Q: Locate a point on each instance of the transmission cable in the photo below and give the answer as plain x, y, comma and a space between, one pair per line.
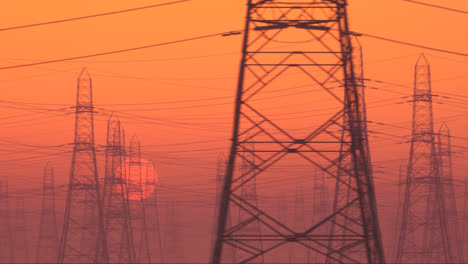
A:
437, 6
92, 16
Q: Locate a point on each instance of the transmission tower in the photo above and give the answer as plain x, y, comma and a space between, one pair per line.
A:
152, 209
7, 249
117, 223
21, 233
455, 242
137, 191
465, 220
298, 253
423, 232
324, 59
47, 243
83, 187
320, 207
174, 244
399, 210
220, 173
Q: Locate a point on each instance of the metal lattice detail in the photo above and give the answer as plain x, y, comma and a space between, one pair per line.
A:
47, 243
423, 232
82, 238
117, 222
326, 62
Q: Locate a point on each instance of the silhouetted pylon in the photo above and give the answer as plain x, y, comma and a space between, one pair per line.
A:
117, 222
7, 249
321, 58
174, 246
137, 191
423, 232
47, 242
220, 173
320, 207
465, 221
21, 233
83, 188
298, 253
153, 216
455, 241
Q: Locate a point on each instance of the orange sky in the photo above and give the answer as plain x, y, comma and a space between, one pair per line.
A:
185, 138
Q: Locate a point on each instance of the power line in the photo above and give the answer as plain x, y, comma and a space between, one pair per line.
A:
226, 33
436, 6
92, 16
411, 44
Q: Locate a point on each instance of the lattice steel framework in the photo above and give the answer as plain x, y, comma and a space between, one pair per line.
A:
320, 207
423, 232
117, 224
220, 172
21, 242
465, 220
7, 250
444, 152
83, 187
298, 253
174, 246
153, 216
47, 242
137, 190
326, 61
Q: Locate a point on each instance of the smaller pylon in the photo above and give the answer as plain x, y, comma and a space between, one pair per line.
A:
21, 233
174, 245
7, 250
154, 230
465, 220
47, 243
299, 253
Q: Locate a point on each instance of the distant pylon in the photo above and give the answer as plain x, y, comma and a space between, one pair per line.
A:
47, 243
83, 187
21, 233
321, 58
320, 207
465, 220
119, 240
7, 249
153, 216
137, 191
174, 246
400, 186
298, 253
220, 173
423, 232
455, 240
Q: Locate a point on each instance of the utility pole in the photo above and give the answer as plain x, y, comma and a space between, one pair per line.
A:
321, 58
21, 233
117, 222
423, 233
47, 243
455, 242
83, 187
7, 248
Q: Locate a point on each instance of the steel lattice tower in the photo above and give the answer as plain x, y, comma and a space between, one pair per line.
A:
455, 242
47, 243
21, 233
117, 223
326, 62
6, 237
297, 253
174, 246
152, 209
137, 190
465, 220
220, 173
83, 187
423, 232
320, 207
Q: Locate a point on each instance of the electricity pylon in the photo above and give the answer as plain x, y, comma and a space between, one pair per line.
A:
455, 242
399, 210
465, 220
47, 243
343, 194
174, 246
153, 221
323, 58
220, 173
298, 253
83, 187
21, 233
320, 207
423, 232
137, 191
7, 249
117, 223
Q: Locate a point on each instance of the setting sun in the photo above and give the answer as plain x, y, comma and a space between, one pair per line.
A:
140, 176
